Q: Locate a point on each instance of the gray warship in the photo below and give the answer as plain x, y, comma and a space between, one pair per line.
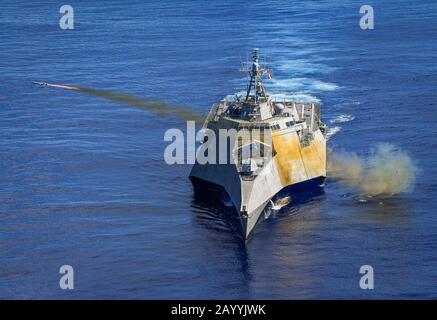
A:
288, 152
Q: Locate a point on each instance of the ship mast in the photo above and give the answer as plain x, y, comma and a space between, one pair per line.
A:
255, 83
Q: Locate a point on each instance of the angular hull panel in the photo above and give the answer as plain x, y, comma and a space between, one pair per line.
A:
291, 165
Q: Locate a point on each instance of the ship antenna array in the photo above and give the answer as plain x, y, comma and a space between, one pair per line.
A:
255, 72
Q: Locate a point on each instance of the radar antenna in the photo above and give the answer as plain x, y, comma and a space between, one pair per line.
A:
255, 72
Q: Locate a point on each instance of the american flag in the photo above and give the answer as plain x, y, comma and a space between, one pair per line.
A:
264, 71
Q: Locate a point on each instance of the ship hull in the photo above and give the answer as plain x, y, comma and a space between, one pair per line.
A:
299, 193
292, 165
264, 152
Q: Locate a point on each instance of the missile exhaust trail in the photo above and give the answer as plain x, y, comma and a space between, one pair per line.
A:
159, 108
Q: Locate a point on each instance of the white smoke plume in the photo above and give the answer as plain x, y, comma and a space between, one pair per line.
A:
386, 171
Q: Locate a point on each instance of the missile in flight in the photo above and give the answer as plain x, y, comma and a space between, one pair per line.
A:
159, 108
45, 84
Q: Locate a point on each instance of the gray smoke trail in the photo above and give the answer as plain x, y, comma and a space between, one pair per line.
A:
386, 171
159, 108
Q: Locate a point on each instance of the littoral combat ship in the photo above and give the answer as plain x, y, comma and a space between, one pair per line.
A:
279, 147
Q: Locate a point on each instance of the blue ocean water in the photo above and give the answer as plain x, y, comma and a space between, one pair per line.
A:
83, 181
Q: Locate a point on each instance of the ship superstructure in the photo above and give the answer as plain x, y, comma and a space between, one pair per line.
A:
280, 144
